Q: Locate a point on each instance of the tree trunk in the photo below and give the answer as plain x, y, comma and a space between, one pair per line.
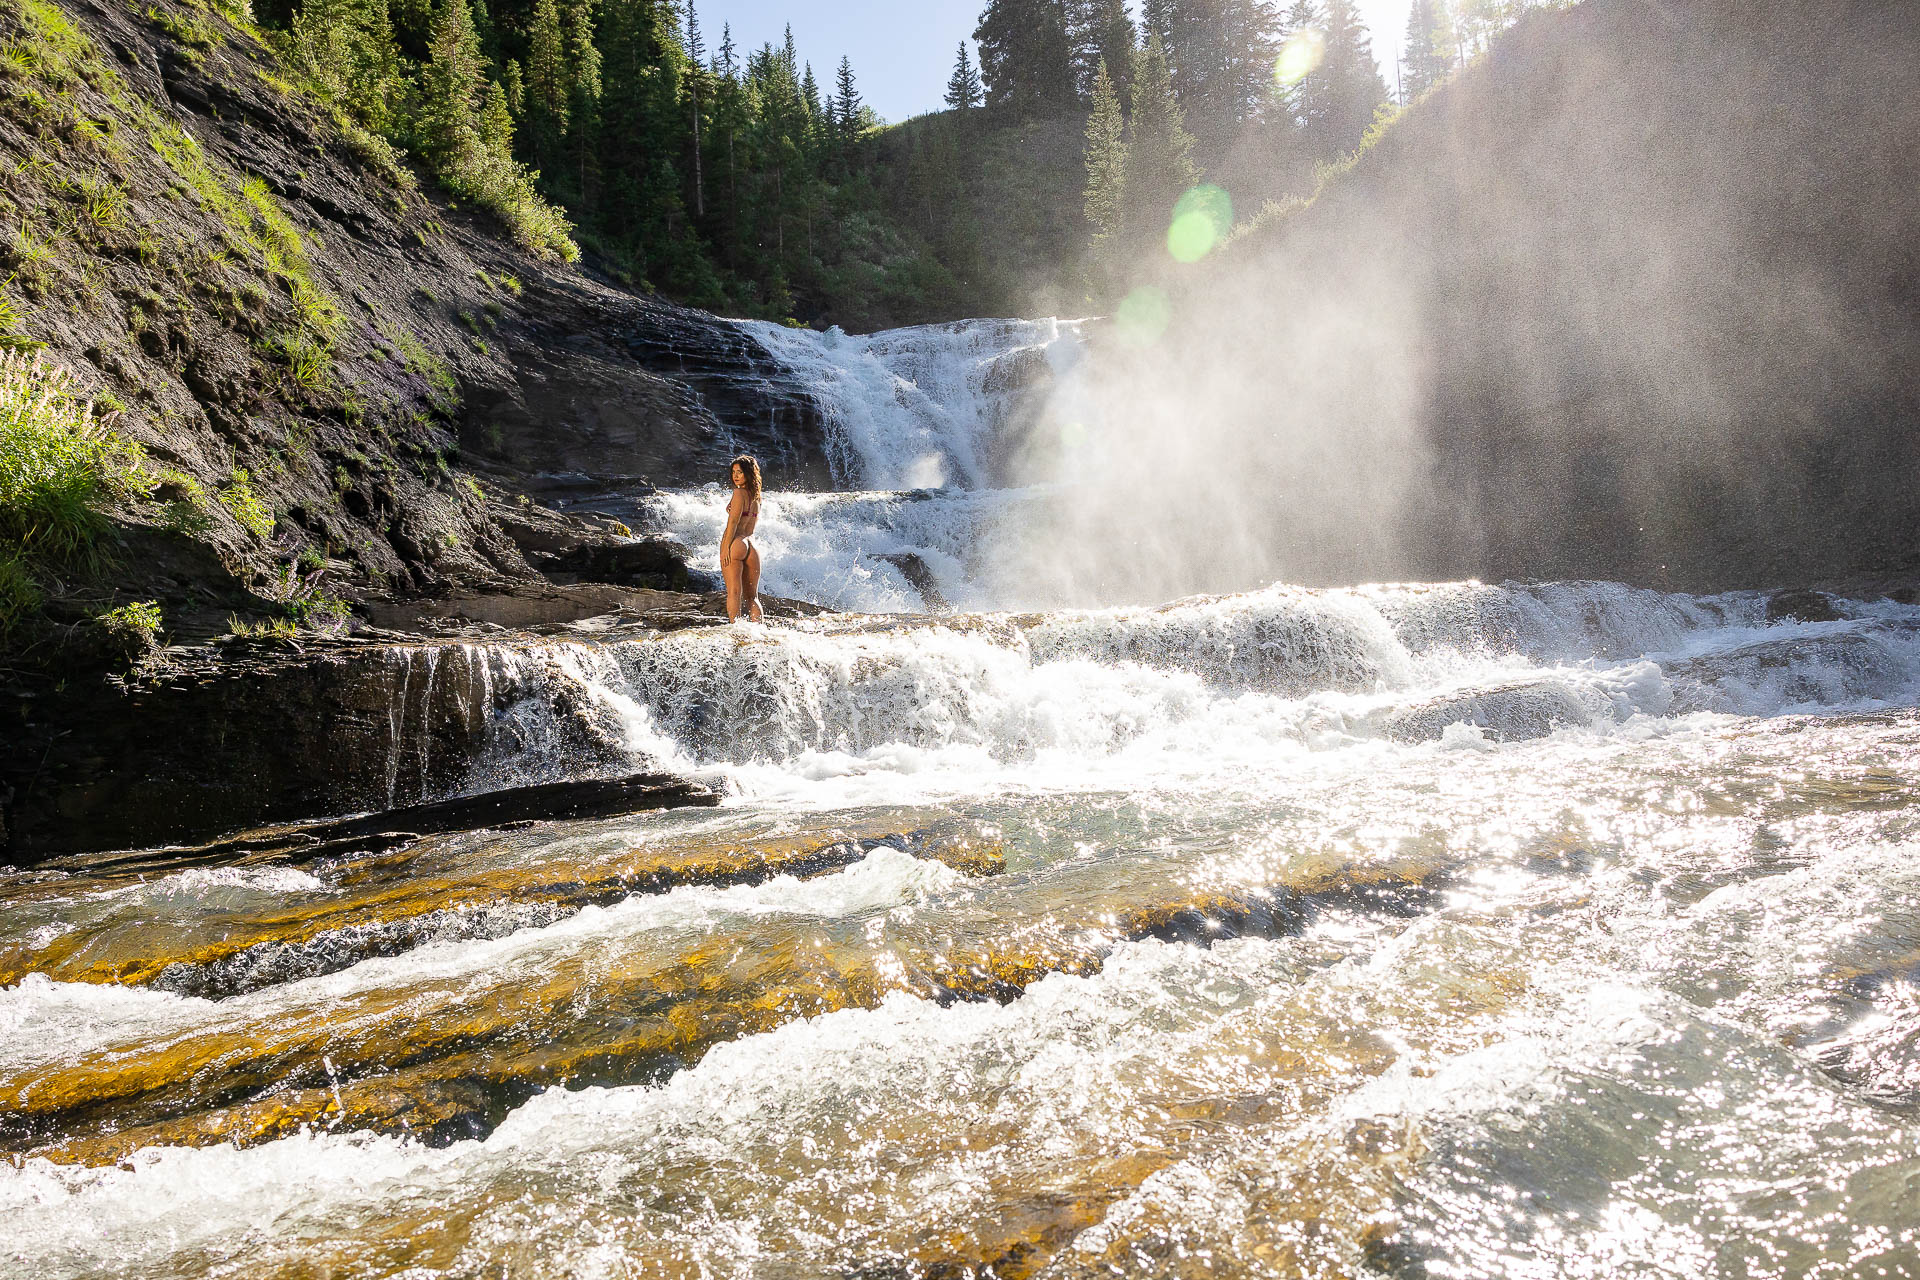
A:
699, 184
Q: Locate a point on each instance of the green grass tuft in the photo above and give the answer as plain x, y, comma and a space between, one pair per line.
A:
261, 627
186, 509
308, 360
104, 200
195, 33
137, 623
238, 498
59, 465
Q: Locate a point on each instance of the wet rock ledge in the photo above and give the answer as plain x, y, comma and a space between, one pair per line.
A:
467, 729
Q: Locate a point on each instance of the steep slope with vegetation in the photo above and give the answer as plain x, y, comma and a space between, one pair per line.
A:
163, 247
287, 341
1633, 296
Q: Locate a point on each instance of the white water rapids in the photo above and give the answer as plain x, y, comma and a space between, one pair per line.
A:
1455, 930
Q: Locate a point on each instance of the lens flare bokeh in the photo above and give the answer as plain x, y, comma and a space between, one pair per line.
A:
1300, 57
1201, 220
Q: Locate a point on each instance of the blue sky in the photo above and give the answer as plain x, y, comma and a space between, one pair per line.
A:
903, 50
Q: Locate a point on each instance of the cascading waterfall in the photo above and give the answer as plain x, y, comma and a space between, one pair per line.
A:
1191, 681
919, 408
1447, 929
916, 423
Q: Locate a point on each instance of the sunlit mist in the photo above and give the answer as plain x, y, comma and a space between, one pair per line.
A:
1300, 56
1628, 332
1142, 316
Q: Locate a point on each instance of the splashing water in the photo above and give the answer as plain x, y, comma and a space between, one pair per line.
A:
1561, 929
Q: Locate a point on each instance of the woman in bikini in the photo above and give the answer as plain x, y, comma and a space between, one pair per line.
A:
739, 558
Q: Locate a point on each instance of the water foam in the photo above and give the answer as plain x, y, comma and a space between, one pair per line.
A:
1195, 686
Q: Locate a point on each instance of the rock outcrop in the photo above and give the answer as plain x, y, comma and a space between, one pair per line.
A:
277, 305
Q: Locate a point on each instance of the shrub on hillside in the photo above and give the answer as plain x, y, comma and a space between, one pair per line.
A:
59, 464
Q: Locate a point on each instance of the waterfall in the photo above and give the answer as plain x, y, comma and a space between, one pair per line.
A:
920, 424
1078, 690
921, 407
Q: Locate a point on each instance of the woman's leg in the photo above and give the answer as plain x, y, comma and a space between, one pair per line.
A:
750, 582
730, 573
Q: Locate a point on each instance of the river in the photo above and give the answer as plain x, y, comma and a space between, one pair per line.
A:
1451, 930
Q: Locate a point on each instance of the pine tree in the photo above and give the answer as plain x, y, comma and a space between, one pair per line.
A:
730, 116
810, 96
513, 86
496, 121
1117, 42
1348, 88
547, 82
1157, 19
347, 50
483, 28
1423, 63
1220, 54
963, 88
1304, 99
1106, 174
846, 103
1024, 55
450, 88
583, 91
583, 54
1098, 29
696, 56
1159, 164
1251, 45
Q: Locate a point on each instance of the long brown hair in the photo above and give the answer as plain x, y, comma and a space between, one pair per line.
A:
751, 470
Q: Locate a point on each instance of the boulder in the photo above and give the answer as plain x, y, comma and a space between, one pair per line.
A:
1801, 606
919, 577
653, 562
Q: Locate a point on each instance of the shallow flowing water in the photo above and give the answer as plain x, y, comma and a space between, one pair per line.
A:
1455, 930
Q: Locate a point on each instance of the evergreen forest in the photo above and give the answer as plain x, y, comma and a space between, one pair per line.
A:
750, 182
